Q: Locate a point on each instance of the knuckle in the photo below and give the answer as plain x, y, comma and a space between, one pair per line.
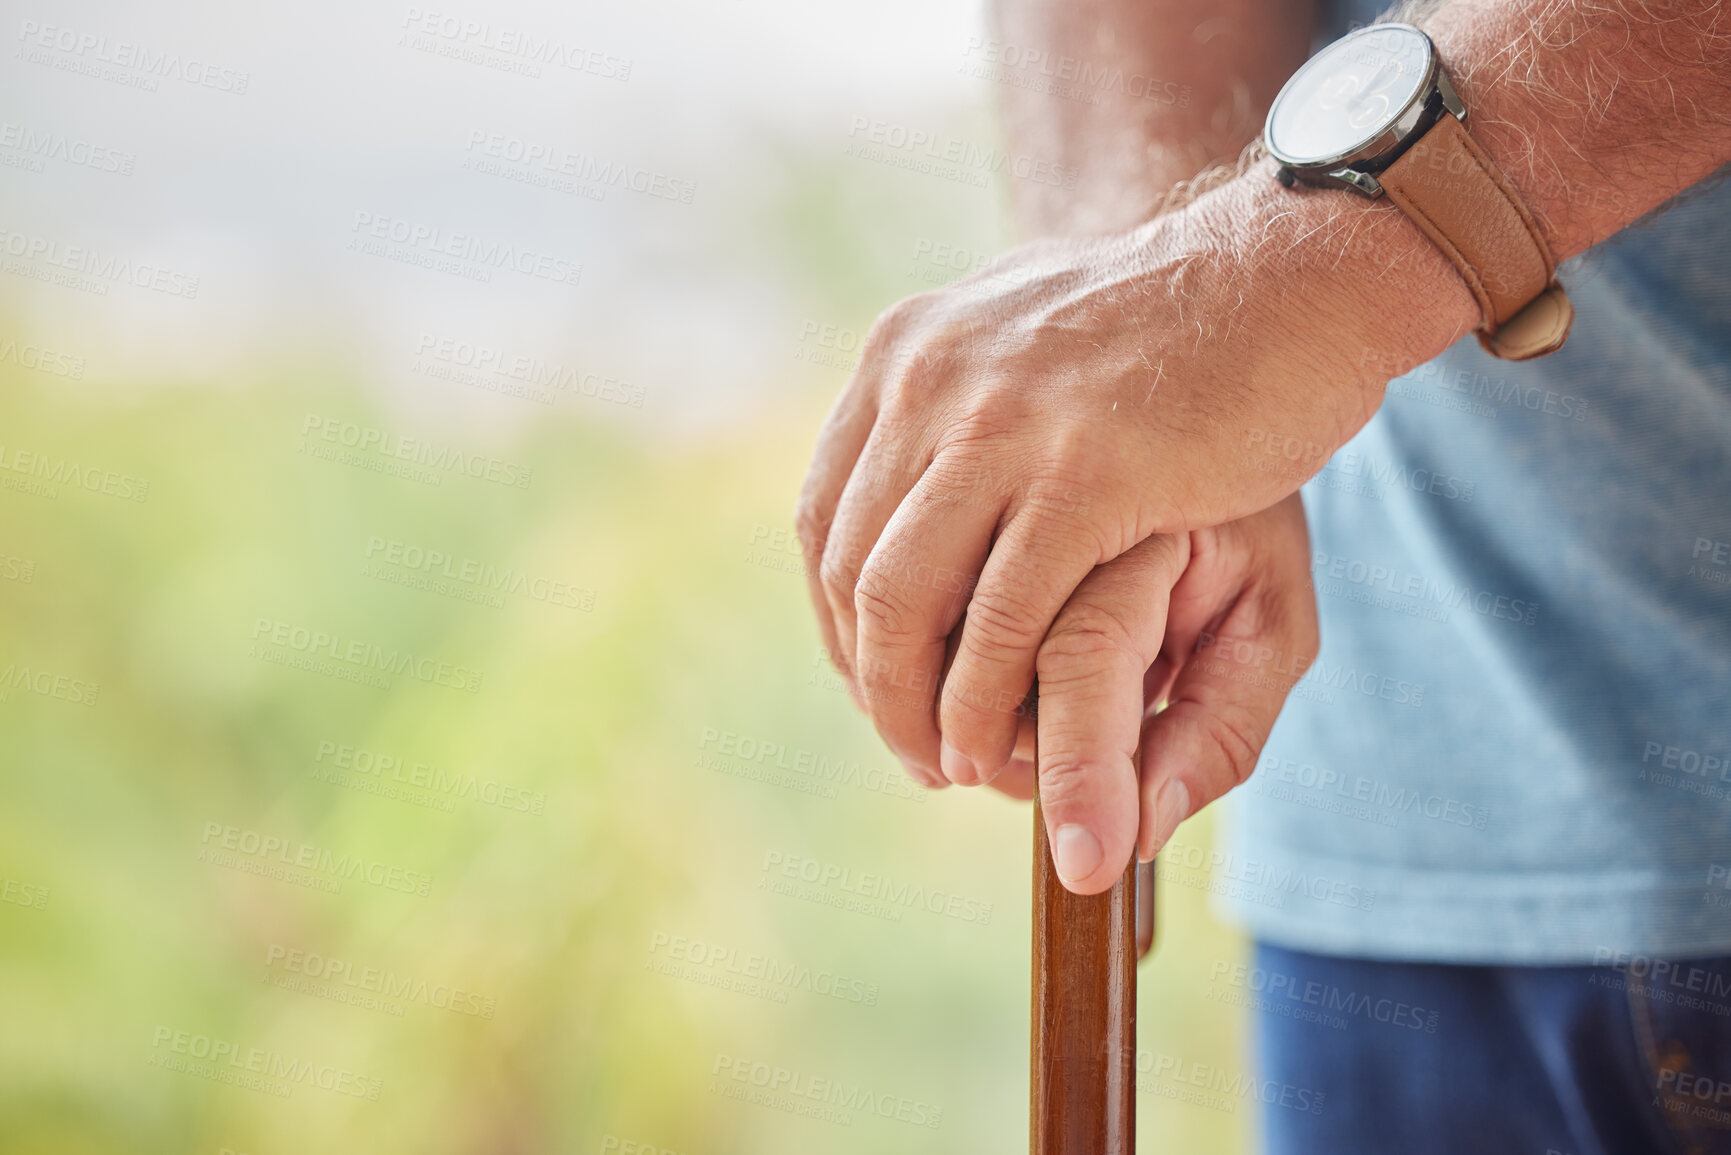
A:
965, 475
1083, 637
896, 390
883, 606
906, 416
915, 373
884, 330
987, 416
1287, 617
1072, 446
1076, 455
973, 712
893, 320
837, 576
1065, 497
1064, 782
1002, 627
810, 525
1236, 738
1073, 506
896, 345
1074, 466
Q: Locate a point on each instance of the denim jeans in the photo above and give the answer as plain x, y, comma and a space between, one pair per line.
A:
1633, 1055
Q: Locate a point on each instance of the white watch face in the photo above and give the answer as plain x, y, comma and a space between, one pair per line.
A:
1349, 94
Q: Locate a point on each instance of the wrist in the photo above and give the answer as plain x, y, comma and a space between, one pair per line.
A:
1358, 291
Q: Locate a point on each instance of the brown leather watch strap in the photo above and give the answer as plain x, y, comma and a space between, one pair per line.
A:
1454, 192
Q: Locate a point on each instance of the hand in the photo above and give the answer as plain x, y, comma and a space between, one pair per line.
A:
1218, 625
1006, 435
1204, 666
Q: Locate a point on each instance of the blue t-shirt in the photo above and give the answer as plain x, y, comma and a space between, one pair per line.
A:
1515, 746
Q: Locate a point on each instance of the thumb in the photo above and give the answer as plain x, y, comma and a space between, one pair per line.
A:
1236, 664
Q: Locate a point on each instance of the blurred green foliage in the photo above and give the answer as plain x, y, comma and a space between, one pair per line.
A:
129, 933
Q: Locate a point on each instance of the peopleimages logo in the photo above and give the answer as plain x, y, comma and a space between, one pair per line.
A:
1356, 788
879, 892
41, 359
222, 842
35, 897
796, 1092
352, 765
1423, 589
1379, 474
1706, 764
1071, 77
154, 64
46, 253
581, 168
16, 678
55, 471
1267, 877
384, 446
924, 151
1327, 1000
747, 971
336, 978
486, 254
1213, 1086
227, 1061
292, 638
772, 755
479, 576
539, 377
40, 145
1684, 982
446, 34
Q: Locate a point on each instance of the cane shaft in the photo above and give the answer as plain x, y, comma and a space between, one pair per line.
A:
1083, 1063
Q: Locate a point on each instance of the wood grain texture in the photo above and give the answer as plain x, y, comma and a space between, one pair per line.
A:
1083, 1060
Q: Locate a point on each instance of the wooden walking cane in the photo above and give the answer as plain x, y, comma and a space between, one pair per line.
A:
1082, 1065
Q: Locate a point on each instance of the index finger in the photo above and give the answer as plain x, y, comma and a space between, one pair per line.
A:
1035, 565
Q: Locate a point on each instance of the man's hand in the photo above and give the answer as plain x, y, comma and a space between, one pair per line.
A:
1220, 649
1040, 419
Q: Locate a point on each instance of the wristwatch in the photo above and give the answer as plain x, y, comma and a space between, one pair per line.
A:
1375, 112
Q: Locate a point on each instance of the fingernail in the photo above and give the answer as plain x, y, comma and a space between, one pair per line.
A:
1076, 852
1171, 806
921, 775
958, 768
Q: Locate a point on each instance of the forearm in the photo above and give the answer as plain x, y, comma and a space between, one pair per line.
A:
1597, 110
1141, 94
1596, 118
